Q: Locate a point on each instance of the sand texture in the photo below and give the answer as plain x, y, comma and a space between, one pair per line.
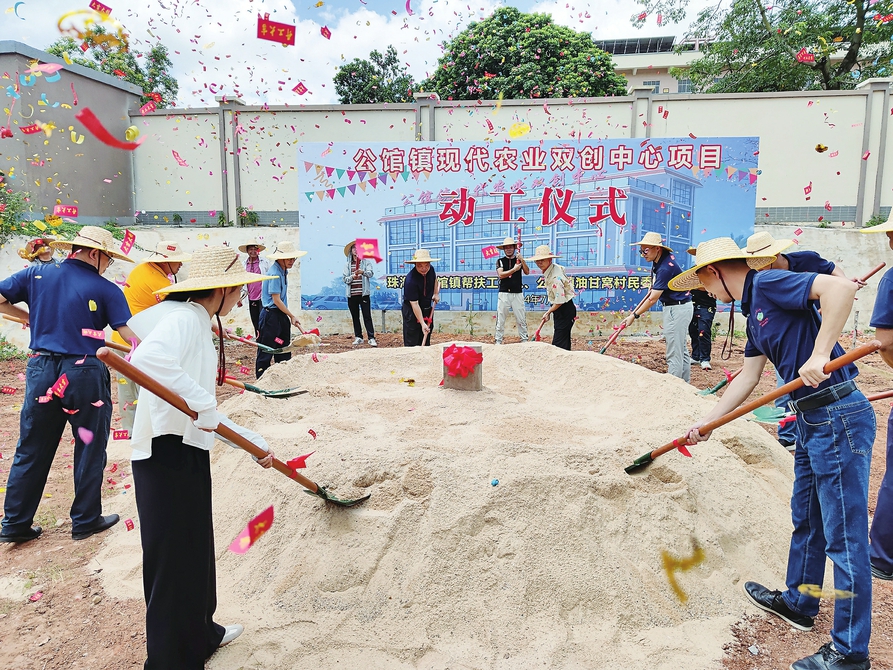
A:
558, 566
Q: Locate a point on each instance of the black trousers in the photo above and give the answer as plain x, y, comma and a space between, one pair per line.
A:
354, 303
275, 331
700, 330
564, 320
254, 307
412, 329
173, 498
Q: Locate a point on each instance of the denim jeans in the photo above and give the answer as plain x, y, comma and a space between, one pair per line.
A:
788, 432
829, 508
882, 524
40, 429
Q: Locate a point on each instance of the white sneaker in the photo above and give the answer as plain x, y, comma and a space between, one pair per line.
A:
372, 342
358, 341
705, 365
232, 632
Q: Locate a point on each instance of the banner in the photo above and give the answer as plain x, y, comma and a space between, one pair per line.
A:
587, 200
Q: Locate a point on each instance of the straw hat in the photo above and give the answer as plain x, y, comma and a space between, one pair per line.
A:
541, 253
885, 227
507, 242
652, 240
692, 251
251, 243
285, 250
766, 245
714, 251
167, 251
214, 267
348, 246
94, 238
421, 256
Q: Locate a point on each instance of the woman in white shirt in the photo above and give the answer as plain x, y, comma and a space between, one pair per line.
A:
560, 291
171, 460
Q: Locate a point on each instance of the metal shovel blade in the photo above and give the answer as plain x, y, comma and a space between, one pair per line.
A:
321, 492
281, 393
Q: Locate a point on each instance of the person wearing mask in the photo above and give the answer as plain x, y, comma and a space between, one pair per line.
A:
560, 292
509, 269
421, 292
357, 273
70, 304
171, 459
276, 319
259, 266
157, 270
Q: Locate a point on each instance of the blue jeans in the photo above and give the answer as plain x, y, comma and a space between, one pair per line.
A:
829, 508
788, 432
40, 429
882, 524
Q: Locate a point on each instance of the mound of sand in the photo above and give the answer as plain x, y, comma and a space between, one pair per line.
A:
557, 566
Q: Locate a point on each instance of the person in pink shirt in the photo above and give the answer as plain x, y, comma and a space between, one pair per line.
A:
254, 263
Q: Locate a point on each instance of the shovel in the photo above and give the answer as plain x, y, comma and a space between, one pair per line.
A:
616, 334
679, 443
773, 415
714, 389
148, 383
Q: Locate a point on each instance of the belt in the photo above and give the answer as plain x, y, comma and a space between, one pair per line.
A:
673, 303
824, 397
270, 309
58, 355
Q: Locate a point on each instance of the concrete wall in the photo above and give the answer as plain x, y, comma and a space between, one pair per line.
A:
96, 178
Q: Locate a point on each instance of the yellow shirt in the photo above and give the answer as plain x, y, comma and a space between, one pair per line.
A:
143, 281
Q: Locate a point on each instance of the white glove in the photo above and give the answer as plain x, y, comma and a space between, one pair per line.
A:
208, 419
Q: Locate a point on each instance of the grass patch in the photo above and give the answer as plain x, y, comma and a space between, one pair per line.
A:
9, 351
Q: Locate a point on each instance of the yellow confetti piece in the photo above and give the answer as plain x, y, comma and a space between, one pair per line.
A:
672, 564
67, 58
519, 129
77, 139
131, 133
122, 380
92, 305
816, 591
39, 225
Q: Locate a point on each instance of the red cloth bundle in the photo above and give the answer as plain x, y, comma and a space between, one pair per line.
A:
461, 361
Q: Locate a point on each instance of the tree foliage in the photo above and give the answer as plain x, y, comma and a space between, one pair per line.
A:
150, 71
382, 78
517, 55
790, 45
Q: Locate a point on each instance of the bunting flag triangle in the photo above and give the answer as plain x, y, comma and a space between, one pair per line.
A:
730, 171
753, 178
742, 175
321, 195
753, 171
362, 186
373, 182
427, 174
309, 196
331, 193
329, 171
350, 174
405, 175
415, 175
319, 169
383, 178
339, 172
695, 171
362, 175
352, 188
341, 190
307, 166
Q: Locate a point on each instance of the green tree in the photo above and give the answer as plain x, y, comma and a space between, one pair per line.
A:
150, 71
13, 205
785, 46
517, 55
382, 78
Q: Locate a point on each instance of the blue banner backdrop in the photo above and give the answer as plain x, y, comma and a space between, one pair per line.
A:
587, 200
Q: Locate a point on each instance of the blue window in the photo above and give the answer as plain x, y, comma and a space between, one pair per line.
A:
434, 230
682, 192
402, 232
579, 251
654, 217
396, 261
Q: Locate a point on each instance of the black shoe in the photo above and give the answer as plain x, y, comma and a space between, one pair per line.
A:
771, 601
24, 536
828, 658
878, 573
105, 522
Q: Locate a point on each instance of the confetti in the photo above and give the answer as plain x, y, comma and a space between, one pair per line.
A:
816, 591
300, 89
300, 462
94, 125
179, 160
254, 530
59, 387
34, 597
120, 435
325, 32
274, 31
127, 242
128, 523
312, 433
85, 435
672, 564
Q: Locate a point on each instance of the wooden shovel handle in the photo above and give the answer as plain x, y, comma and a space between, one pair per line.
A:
151, 385
869, 275
837, 363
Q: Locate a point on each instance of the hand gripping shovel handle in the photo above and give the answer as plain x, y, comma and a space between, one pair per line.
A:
872, 273
151, 385
837, 363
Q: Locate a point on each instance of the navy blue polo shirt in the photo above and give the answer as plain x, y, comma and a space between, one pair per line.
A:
782, 325
419, 287
664, 269
63, 300
882, 316
809, 261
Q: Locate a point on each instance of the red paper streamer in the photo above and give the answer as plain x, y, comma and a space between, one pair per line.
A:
94, 125
299, 462
256, 527
65, 210
461, 361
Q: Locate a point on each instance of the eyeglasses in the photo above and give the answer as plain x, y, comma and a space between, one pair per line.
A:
643, 251
111, 260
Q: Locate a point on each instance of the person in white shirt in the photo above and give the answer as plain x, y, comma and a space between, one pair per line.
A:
560, 292
171, 460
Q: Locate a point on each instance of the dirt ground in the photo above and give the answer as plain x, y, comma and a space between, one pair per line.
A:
54, 613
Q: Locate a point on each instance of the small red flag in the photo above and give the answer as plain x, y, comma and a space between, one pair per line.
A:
368, 248
255, 528
300, 89
325, 32
300, 462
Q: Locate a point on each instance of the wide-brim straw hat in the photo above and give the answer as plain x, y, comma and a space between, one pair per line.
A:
167, 251
421, 256
764, 244
285, 250
94, 238
886, 227
651, 240
541, 253
251, 243
715, 251
507, 242
347, 247
214, 267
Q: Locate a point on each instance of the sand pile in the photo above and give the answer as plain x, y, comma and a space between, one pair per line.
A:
557, 566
